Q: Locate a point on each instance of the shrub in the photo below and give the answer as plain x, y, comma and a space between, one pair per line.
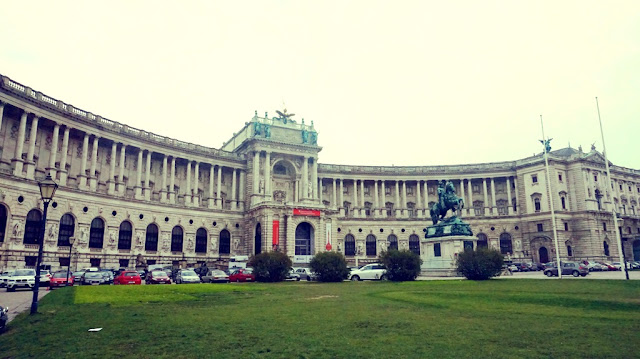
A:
329, 267
401, 265
480, 264
270, 266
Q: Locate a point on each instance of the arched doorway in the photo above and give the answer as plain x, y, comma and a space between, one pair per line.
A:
304, 239
636, 250
543, 254
258, 239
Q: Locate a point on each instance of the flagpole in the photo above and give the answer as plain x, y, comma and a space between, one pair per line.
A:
613, 209
553, 213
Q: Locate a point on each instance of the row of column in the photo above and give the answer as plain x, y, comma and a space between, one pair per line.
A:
422, 196
305, 189
88, 180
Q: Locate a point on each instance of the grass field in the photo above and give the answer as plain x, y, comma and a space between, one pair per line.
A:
426, 319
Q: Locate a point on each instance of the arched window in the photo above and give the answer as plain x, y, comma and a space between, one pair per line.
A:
605, 246
392, 242
257, 241
304, 237
225, 242
201, 240
33, 227
3, 222
414, 244
371, 245
483, 242
96, 233
124, 235
67, 227
151, 242
176, 239
349, 245
505, 244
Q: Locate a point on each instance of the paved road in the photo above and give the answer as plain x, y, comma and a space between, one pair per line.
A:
19, 301
633, 275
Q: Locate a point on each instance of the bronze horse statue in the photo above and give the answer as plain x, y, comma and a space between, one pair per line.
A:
447, 200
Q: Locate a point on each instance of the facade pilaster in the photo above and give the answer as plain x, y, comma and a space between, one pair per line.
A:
188, 194
242, 185
63, 157
17, 160
172, 182
509, 199
404, 199
362, 210
462, 195
163, 190
31, 165
122, 188
138, 184
305, 178
111, 183
1, 114
334, 199
93, 180
472, 211
418, 199
267, 176
256, 178
383, 197
515, 183
376, 199
319, 181
398, 209
147, 177
211, 201
234, 200
493, 196
83, 165
341, 193
485, 191
196, 185
54, 150
219, 187
354, 211
314, 175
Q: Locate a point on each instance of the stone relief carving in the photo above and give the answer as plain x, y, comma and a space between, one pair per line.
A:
190, 243
310, 189
14, 132
404, 245
48, 142
165, 241
236, 244
279, 196
360, 248
17, 228
52, 234
261, 185
139, 241
112, 238
79, 150
214, 244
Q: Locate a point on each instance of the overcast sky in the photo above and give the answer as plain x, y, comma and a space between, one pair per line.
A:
386, 83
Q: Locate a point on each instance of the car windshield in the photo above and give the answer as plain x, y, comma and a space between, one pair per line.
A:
93, 275
60, 275
218, 272
131, 274
21, 272
78, 274
158, 274
188, 273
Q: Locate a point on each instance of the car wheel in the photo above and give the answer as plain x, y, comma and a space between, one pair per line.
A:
355, 278
549, 274
298, 279
384, 277
576, 273
584, 275
308, 279
9, 289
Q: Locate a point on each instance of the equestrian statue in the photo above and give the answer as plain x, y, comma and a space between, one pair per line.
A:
447, 200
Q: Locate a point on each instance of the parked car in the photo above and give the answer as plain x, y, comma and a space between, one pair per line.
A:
549, 265
520, 267
633, 265
575, 269
373, 271
607, 266
187, 276
92, 278
512, 267
305, 274
592, 266
242, 275
4, 277
215, 276
59, 279
617, 265
4, 317
77, 277
21, 278
108, 276
128, 277
158, 277
292, 275
45, 276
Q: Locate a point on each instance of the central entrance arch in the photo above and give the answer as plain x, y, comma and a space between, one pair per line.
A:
304, 239
258, 239
543, 254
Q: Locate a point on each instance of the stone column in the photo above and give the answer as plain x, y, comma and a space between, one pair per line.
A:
267, 176
376, 199
31, 165
462, 195
93, 180
418, 199
196, 185
305, 178
341, 193
334, 198
111, 183
63, 157
138, 183
515, 183
188, 194
54, 150
509, 199
163, 190
122, 188
426, 197
362, 211
485, 191
147, 176
234, 200
241, 190
355, 198
319, 188
493, 196
219, 187
404, 199
172, 182
314, 175
83, 164
211, 201
383, 199
17, 158
256, 174
1, 113
398, 209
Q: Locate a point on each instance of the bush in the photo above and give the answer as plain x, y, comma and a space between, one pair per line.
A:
270, 266
481, 264
329, 267
401, 265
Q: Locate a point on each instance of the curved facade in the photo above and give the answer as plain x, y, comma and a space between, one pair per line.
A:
126, 193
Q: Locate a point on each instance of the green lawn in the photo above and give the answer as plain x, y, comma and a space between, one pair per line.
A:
427, 319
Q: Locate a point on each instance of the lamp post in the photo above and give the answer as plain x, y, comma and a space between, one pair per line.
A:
47, 190
71, 240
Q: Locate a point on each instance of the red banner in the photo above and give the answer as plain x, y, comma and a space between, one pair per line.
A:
306, 212
276, 233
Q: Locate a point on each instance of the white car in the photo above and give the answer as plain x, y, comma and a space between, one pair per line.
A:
187, 276
22, 278
4, 277
373, 271
305, 273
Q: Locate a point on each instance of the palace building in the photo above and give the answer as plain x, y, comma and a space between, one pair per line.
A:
126, 192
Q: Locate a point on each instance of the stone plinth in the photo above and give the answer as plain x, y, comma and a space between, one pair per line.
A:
443, 265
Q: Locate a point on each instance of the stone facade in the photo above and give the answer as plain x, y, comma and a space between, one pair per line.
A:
126, 192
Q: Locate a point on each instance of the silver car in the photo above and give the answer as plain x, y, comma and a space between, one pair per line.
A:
215, 276
187, 276
93, 278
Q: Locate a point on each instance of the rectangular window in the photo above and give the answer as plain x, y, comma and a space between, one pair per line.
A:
124, 263
324, 189
436, 250
468, 245
534, 178
410, 191
367, 190
566, 226
540, 227
30, 261
595, 178
387, 190
604, 226
345, 190
94, 262
621, 187
559, 177
431, 190
64, 261
475, 188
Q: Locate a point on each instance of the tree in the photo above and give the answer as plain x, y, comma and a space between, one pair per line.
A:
480, 264
329, 267
401, 265
270, 266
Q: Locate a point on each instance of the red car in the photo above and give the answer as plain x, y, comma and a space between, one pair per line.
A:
59, 279
128, 277
242, 275
158, 277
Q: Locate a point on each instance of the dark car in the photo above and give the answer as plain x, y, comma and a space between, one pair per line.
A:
575, 269
158, 277
93, 278
4, 318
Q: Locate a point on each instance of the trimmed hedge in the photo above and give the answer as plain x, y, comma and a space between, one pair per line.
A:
270, 266
329, 267
401, 265
480, 264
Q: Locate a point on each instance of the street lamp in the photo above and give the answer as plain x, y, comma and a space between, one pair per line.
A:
71, 240
48, 188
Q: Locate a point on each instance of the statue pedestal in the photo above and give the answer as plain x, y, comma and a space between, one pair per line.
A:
441, 246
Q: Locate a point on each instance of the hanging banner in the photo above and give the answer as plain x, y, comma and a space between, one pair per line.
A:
306, 212
276, 233
328, 235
